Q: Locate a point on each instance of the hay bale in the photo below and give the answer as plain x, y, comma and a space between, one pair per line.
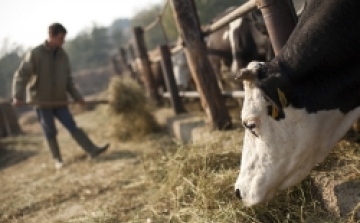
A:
125, 95
134, 126
131, 111
9, 124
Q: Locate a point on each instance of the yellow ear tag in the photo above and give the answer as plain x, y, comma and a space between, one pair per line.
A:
282, 98
274, 112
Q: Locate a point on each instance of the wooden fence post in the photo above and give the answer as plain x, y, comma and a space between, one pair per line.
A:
124, 60
123, 57
167, 68
141, 52
131, 52
115, 65
188, 25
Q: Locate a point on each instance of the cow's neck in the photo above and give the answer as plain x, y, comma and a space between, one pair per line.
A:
326, 40
322, 57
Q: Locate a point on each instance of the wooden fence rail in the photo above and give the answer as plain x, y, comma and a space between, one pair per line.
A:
195, 94
239, 12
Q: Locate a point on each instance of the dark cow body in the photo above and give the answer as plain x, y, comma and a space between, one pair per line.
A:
318, 68
251, 41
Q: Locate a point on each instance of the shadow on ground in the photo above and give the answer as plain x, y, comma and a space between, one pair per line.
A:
10, 157
116, 155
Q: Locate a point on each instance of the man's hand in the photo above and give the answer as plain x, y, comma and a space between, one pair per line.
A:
17, 103
81, 102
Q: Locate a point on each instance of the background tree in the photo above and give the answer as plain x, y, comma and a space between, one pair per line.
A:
143, 18
120, 31
10, 58
90, 48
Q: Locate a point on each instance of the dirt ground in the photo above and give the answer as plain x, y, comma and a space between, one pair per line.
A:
156, 179
33, 191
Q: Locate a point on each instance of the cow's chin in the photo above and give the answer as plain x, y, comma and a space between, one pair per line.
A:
282, 152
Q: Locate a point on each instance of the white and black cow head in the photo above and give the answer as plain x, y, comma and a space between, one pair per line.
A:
282, 145
300, 104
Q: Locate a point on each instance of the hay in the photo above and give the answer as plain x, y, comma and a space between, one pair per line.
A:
131, 111
133, 126
9, 124
196, 184
126, 96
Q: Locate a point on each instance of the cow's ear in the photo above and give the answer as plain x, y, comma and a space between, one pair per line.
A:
246, 74
250, 73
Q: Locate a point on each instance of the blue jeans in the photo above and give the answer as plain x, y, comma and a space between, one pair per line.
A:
46, 118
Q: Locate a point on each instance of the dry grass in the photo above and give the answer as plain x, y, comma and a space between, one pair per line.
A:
155, 179
131, 111
126, 96
195, 184
134, 126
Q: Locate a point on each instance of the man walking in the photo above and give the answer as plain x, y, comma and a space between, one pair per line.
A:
45, 75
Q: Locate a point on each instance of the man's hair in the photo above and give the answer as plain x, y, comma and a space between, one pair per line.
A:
56, 28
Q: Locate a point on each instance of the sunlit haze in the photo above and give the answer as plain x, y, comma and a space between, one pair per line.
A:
25, 21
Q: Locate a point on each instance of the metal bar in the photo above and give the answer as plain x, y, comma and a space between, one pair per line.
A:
239, 12
195, 94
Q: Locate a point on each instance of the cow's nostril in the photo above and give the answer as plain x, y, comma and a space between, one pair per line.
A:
252, 126
249, 126
238, 194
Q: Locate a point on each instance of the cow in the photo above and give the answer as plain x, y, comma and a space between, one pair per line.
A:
301, 103
182, 72
239, 43
244, 40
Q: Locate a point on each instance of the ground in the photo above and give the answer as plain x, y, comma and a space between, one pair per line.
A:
156, 179
33, 191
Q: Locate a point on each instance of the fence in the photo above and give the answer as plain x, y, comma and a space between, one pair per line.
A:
189, 29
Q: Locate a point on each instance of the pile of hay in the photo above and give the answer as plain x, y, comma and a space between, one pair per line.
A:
9, 124
130, 109
196, 184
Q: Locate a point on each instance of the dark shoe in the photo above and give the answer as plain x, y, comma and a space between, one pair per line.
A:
86, 144
100, 150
